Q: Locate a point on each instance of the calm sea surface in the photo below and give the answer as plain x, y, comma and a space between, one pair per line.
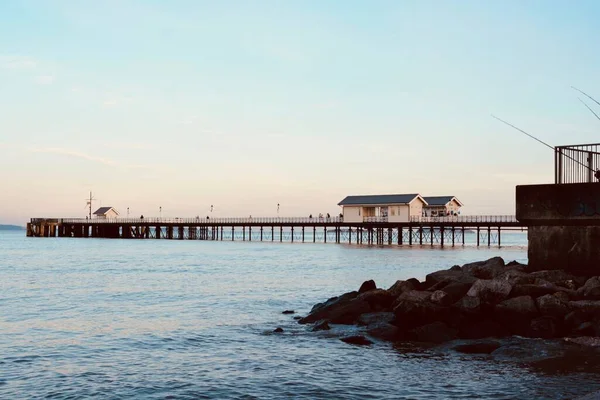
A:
193, 319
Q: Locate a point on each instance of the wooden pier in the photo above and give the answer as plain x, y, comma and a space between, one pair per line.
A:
443, 231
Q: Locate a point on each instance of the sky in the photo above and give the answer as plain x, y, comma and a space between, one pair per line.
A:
244, 105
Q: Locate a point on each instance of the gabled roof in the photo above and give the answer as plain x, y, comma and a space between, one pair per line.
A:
441, 200
104, 210
380, 199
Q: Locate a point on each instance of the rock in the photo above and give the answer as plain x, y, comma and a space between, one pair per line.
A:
321, 326
468, 305
562, 296
585, 329
345, 298
488, 269
551, 305
366, 286
516, 277
481, 329
574, 319
556, 276
297, 317
440, 297
590, 306
591, 289
278, 330
479, 347
533, 290
436, 332
545, 327
585, 341
515, 265
456, 290
288, 312
456, 268
377, 298
439, 279
376, 317
414, 309
357, 340
403, 286
490, 291
340, 312
522, 307
384, 331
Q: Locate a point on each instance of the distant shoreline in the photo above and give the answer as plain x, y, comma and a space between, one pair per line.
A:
11, 228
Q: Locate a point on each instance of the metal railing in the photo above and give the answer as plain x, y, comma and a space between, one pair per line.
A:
375, 219
205, 221
466, 218
577, 163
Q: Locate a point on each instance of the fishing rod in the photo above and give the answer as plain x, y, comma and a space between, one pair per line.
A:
596, 172
586, 95
588, 107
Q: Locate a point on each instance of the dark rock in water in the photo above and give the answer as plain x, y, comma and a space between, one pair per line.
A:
436, 332
480, 347
468, 305
533, 290
516, 277
366, 286
522, 307
339, 310
575, 318
591, 289
439, 279
384, 331
378, 298
414, 309
335, 300
488, 269
278, 330
297, 317
376, 317
551, 305
321, 326
403, 286
481, 329
585, 341
288, 312
490, 291
585, 329
357, 340
545, 327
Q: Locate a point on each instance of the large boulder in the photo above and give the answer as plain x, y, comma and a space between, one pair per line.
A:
522, 307
516, 277
414, 309
591, 289
440, 297
378, 299
545, 327
558, 277
346, 297
468, 305
357, 340
533, 290
488, 269
439, 279
403, 286
490, 291
341, 311
384, 331
456, 290
591, 307
367, 285
376, 317
551, 305
435, 332
482, 328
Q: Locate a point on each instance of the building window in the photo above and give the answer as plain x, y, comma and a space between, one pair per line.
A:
359, 212
393, 210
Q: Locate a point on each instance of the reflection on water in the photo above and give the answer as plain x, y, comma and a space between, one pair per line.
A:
148, 319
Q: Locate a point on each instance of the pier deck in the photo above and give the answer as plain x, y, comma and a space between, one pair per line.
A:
372, 231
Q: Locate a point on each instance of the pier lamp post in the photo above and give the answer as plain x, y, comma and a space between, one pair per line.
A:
127, 212
277, 209
211, 208
160, 212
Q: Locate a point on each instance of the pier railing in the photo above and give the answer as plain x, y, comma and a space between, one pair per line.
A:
465, 219
577, 163
205, 221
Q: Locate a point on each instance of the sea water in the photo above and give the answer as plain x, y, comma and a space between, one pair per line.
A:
157, 319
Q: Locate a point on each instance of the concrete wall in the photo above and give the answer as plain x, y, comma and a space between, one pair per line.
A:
564, 226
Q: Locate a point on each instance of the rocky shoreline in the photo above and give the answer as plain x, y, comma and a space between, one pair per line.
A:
481, 300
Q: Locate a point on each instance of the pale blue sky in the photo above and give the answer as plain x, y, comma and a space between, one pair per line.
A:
243, 105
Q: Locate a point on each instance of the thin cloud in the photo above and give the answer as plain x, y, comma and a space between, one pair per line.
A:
17, 62
88, 157
114, 101
44, 79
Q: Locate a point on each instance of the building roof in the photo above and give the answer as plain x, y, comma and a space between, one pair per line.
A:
380, 199
440, 200
104, 210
